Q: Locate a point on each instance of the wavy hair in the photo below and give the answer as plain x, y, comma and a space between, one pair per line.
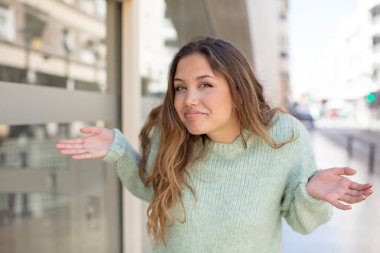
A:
176, 148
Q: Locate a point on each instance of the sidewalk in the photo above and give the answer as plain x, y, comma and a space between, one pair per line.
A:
353, 231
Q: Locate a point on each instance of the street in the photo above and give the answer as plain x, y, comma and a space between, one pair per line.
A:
352, 231
361, 142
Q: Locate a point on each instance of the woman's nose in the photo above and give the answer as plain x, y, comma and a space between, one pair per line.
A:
192, 98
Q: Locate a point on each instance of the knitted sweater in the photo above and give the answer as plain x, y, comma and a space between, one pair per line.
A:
242, 193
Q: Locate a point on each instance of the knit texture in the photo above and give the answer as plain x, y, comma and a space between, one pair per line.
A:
242, 193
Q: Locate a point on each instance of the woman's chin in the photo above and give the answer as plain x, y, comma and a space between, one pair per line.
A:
194, 131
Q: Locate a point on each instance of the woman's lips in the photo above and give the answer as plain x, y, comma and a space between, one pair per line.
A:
193, 114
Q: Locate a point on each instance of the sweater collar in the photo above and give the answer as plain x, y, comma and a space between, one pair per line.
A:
234, 146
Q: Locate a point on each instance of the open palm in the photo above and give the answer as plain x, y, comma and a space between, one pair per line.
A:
330, 185
88, 147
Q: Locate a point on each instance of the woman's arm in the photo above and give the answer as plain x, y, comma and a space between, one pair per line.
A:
127, 166
303, 212
111, 146
309, 193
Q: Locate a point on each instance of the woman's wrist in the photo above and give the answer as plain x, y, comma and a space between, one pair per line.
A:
309, 185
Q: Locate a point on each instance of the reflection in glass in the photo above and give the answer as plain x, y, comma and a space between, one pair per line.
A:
54, 43
53, 204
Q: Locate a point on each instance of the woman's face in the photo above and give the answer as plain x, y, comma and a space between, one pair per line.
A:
203, 100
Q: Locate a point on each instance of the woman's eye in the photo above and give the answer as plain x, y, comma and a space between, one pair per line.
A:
179, 88
206, 85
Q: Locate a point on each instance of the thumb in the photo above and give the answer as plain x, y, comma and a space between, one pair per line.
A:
344, 171
91, 130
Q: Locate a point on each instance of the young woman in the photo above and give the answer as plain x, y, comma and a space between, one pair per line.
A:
218, 165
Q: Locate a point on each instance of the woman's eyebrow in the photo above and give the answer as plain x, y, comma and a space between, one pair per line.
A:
197, 78
204, 76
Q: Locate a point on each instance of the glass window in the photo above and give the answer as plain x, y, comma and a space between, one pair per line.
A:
4, 22
49, 202
61, 41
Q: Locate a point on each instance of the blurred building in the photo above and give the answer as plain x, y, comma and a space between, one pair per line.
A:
65, 64
350, 70
268, 24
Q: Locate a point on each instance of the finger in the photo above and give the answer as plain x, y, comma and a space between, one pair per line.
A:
359, 193
70, 141
354, 192
341, 206
352, 199
73, 151
91, 130
84, 156
69, 146
368, 192
343, 171
359, 187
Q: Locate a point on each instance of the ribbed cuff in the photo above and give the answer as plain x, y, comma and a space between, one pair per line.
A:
118, 147
305, 195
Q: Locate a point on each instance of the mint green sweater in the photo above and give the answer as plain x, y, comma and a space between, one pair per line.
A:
242, 193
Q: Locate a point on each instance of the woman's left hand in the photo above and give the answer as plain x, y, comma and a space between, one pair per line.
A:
330, 185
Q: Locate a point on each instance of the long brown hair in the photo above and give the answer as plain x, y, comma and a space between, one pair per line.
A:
176, 147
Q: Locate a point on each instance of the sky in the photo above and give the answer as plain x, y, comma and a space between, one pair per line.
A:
312, 23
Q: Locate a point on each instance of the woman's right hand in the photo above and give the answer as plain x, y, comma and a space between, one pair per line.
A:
95, 145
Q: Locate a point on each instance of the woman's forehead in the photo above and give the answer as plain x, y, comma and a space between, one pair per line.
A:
196, 66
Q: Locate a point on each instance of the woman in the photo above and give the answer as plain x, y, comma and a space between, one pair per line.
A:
218, 165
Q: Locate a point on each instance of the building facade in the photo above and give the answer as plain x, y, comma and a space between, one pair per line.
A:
350, 68
65, 64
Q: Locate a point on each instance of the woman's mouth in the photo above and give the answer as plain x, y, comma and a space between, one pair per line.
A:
193, 114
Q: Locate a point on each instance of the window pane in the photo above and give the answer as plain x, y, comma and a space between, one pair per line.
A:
49, 203
54, 43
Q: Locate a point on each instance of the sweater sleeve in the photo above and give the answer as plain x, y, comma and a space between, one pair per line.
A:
303, 212
127, 166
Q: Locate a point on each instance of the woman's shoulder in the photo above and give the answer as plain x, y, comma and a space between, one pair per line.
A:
285, 126
283, 119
